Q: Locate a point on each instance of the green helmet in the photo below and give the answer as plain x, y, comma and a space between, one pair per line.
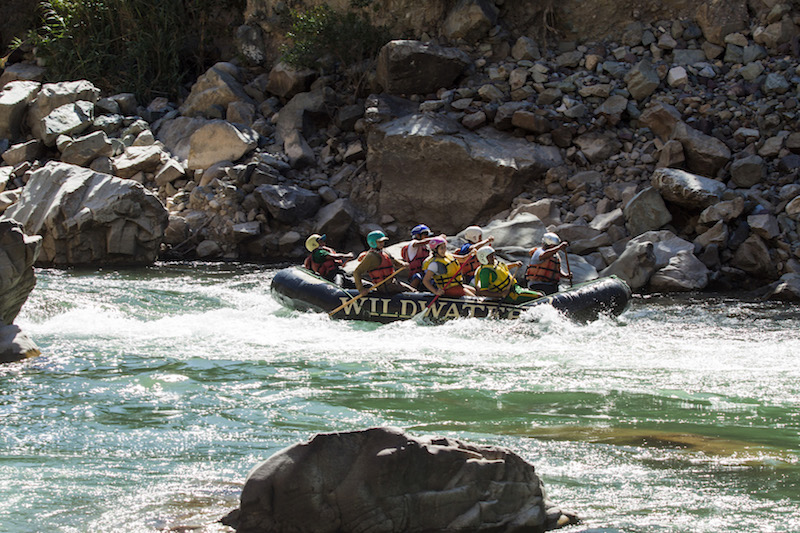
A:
374, 237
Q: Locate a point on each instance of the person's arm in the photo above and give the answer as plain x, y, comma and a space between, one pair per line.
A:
397, 263
427, 281
484, 242
348, 255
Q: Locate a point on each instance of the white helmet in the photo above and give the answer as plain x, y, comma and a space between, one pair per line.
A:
483, 254
551, 239
473, 234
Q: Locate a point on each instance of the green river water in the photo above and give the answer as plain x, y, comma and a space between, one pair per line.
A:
159, 389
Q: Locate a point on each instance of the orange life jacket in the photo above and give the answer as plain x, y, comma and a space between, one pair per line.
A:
548, 271
384, 270
414, 265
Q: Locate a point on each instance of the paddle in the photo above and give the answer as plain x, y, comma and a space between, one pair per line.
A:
359, 295
566, 259
424, 312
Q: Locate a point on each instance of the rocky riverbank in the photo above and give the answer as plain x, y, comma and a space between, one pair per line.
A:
668, 154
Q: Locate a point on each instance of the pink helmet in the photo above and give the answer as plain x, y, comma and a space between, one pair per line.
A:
435, 242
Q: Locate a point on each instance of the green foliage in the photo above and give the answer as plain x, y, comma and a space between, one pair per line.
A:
322, 32
140, 46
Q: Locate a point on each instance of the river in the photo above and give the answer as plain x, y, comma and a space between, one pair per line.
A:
159, 389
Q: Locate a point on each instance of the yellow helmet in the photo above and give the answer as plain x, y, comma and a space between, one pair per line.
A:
313, 242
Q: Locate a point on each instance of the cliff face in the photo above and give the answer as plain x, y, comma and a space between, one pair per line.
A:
579, 20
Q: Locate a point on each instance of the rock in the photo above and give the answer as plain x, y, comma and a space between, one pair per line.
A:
138, 159
661, 118
288, 203
689, 57
88, 218
717, 236
793, 209
355, 152
474, 121
598, 146
14, 99
546, 210
241, 113
347, 116
683, 273
15, 345
246, 230
176, 135
569, 59
208, 249
298, 151
671, 155
718, 18
177, 230
218, 86
645, 212
752, 256
415, 155
642, 80
775, 34
677, 77
751, 71
8, 198
666, 245
525, 49
725, 211
27, 151
407, 483
54, 95
334, 220
787, 289
529, 121
747, 171
413, 67
612, 108
218, 140
705, 155
604, 221
170, 171
635, 265
686, 189
250, 40
286, 81
764, 225
775, 83
21, 72
69, 119
18, 253
303, 111
84, 150
519, 233
470, 20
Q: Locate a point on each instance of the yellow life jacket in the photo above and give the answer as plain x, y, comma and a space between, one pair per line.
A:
502, 277
451, 273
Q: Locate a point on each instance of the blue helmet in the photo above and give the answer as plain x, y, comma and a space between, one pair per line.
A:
419, 229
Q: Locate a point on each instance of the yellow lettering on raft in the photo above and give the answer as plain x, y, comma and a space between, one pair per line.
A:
453, 311
354, 306
404, 308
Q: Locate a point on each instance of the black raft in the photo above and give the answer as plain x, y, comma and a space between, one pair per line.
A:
301, 289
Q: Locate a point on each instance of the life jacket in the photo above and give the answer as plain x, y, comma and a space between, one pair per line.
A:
503, 277
414, 265
471, 265
451, 273
326, 267
384, 270
548, 271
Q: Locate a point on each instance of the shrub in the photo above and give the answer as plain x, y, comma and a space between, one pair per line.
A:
141, 46
321, 33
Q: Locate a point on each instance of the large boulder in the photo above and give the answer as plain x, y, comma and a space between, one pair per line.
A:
18, 253
718, 18
414, 67
286, 81
89, 218
431, 164
686, 189
786, 289
753, 257
382, 479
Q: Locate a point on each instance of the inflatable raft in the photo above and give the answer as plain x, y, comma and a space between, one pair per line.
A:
303, 290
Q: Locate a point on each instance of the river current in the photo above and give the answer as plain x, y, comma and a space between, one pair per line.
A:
159, 389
